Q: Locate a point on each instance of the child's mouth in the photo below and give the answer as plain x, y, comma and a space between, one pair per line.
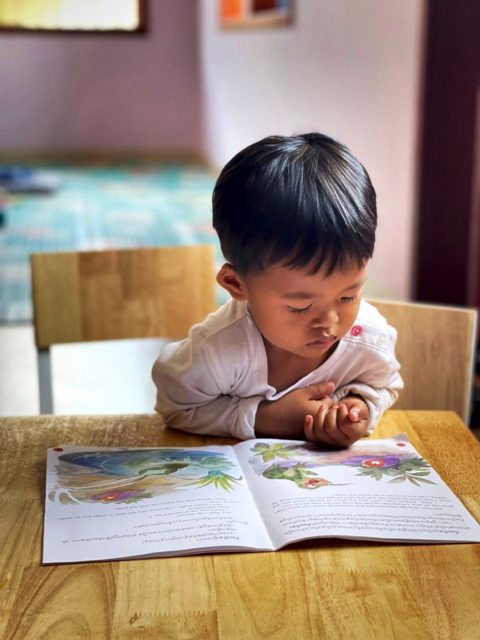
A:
324, 341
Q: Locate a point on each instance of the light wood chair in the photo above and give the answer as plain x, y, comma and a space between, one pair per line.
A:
436, 347
112, 295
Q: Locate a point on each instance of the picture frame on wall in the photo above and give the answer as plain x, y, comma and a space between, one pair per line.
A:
73, 16
247, 14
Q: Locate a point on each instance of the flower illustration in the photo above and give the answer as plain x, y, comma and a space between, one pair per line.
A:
398, 468
372, 461
120, 496
313, 483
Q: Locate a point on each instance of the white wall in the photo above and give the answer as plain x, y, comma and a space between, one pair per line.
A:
348, 68
108, 92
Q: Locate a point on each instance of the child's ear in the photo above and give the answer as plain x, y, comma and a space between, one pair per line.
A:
229, 279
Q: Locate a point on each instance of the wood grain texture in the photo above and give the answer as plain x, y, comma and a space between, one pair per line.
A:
128, 293
435, 347
316, 589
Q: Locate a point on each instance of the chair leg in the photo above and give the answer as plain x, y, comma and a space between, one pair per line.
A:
45, 381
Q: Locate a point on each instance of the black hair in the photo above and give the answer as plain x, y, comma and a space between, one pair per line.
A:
297, 201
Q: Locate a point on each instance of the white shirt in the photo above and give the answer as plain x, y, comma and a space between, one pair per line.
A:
213, 381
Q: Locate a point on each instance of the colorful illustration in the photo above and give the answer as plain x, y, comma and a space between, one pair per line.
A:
128, 476
297, 472
299, 463
413, 469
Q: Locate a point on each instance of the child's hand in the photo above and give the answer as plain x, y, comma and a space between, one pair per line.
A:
284, 418
341, 424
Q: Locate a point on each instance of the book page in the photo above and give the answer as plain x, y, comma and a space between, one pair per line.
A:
105, 503
375, 489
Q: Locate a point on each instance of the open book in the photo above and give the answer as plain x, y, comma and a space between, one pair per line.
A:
111, 503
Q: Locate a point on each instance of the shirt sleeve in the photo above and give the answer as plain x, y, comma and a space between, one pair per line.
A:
378, 383
192, 395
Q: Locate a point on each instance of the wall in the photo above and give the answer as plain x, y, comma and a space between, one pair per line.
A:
347, 68
85, 92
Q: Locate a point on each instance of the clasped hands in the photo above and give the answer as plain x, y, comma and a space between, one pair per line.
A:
311, 413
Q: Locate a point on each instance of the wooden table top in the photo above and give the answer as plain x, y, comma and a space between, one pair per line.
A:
316, 589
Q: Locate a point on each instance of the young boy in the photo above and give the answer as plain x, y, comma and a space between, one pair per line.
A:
296, 353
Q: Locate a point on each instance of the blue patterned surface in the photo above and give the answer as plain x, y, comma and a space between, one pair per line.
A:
102, 207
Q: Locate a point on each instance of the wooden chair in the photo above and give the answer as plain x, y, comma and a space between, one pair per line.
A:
111, 295
436, 347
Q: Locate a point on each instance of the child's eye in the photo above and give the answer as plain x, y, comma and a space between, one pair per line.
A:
295, 310
349, 298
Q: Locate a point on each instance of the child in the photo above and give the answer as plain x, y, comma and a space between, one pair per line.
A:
296, 353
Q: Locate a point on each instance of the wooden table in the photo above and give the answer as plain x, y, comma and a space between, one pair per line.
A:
321, 589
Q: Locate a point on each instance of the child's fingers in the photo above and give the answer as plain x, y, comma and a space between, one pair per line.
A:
331, 427
352, 431
351, 423
354, 414
343, 414
319, 420
330, 422
308, 427
313, 425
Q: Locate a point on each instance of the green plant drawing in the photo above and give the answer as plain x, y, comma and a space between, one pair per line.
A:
219, 479
303, 477
413, 469
293, 462
271, 451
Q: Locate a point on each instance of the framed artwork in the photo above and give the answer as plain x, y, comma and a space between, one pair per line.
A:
73, 16
239, 14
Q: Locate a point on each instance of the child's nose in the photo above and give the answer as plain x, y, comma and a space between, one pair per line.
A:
326, 319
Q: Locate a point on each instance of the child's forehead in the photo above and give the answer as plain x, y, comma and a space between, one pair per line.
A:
295, 282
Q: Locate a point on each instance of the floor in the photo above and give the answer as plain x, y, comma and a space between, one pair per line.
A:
100, 206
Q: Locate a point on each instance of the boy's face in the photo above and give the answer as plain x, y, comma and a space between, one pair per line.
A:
302, 314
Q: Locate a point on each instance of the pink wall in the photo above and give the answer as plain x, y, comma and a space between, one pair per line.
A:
104, 92
348, 68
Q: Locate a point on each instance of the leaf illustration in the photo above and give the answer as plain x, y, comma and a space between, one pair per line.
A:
218, 479
268, 456
424, 480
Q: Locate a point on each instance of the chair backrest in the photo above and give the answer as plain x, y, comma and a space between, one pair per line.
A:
436, 347
127, 293
116, 294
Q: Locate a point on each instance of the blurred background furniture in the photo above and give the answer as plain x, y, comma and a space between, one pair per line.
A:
116, 295
436, 348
